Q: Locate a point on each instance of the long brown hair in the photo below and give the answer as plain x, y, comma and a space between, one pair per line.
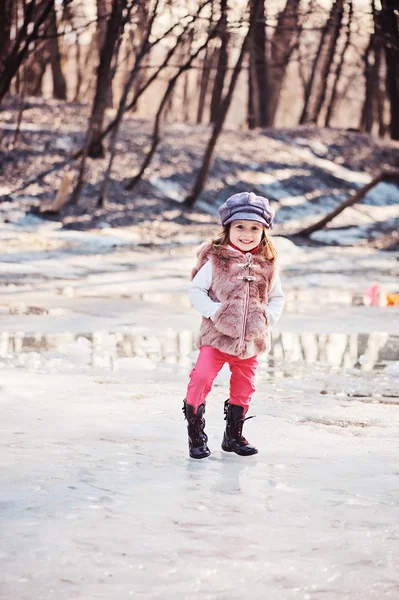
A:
266, 249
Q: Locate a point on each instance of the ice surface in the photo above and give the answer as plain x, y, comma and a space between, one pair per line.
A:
98, 496
100, 500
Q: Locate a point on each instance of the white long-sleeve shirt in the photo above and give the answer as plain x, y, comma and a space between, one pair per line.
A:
199, 296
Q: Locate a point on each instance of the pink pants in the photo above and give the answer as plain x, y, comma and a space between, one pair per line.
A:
208, 365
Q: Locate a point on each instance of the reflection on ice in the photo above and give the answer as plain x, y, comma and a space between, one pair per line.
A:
124, 351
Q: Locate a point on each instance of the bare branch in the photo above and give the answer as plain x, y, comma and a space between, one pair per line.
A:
383, 176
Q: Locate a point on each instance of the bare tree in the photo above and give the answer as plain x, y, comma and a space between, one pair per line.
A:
145, 47
283, 42
5, 28
222, 64
114, 30
204, 82
35, 68
372, 77
130, 107
336, 15
160, 112
218, 125
317, 83
100, 38
101, 29
258, 93
29, 31
390, 29
54, 54
338, 71
93, 140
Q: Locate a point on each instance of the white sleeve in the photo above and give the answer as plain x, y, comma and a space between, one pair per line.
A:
275, 302
199, 292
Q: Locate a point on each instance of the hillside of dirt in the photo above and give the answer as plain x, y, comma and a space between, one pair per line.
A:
305, 172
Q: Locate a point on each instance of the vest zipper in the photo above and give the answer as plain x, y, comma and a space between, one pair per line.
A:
244, 321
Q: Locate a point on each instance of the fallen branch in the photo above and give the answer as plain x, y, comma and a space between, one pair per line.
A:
383, 176
61, 197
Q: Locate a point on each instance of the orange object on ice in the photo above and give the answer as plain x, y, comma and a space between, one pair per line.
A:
392, 299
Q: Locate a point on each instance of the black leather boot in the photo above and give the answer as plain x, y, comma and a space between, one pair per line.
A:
197, 438
233, 440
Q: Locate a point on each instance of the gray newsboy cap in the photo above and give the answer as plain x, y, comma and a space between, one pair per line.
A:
246, 206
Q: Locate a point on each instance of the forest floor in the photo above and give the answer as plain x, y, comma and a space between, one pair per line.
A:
98, 497
305, 172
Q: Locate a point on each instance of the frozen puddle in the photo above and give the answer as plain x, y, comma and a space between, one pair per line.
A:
114, 350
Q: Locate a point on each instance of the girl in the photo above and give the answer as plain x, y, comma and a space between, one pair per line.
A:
236, 288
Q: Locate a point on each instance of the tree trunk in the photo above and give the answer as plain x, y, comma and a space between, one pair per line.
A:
222, 65
367, 116
101, 28
53, 48
251, 110
161, 109
5, 28
338, 72
326, 59
24, 38
257, 71
283, 43
218, 126
204, 82
104, 80
372, 67
101, 32
35, 67
78, 61
83, 151
315, 89
389, 24
144, 49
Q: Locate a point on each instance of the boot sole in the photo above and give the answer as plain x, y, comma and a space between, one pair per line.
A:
199, 457
239, 453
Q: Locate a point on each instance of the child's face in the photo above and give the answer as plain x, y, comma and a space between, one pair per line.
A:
246, 235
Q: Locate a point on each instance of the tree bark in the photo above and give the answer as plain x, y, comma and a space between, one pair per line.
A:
53, 48
25, 36
317, 83
101, 33
371, 110
35, 67
22, 90
383, 176
338, 72
5, 28
222, 65
258, 104
390, 29
326, 58
104, 80
203, 84
101, 28
283, 43
367, 116
78, 61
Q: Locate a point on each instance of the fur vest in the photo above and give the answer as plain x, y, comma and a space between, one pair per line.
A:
241, 282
